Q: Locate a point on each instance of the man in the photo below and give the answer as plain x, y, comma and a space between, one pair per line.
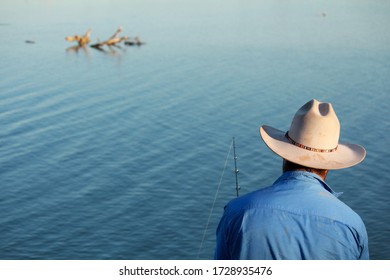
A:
299, 216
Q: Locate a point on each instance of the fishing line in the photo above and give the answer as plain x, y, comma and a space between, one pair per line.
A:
215, 199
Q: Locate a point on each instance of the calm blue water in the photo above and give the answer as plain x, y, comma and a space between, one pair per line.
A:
118, 155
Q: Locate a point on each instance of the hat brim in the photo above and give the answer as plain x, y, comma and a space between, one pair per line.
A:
345, 156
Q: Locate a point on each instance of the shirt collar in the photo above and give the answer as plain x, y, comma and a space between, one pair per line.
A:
306, 174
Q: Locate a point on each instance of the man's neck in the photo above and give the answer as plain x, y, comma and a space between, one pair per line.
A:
290, 166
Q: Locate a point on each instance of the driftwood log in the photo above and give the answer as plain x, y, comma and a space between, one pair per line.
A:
115, 39
81, 40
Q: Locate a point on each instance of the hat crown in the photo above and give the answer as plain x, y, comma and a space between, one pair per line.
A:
315, 125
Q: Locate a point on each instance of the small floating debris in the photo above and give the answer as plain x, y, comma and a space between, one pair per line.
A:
29, 42
134, 42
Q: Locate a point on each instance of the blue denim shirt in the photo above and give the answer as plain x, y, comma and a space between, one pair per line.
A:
298, 217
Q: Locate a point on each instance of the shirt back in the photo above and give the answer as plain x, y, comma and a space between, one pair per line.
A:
298, 217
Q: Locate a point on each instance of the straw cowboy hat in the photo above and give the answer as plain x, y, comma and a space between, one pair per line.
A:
313, 139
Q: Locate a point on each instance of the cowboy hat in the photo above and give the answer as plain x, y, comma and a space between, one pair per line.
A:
313, 139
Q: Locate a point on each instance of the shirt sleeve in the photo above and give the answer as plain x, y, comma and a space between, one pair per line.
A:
221, 249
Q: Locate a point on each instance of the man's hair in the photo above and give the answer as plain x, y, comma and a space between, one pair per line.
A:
289, 166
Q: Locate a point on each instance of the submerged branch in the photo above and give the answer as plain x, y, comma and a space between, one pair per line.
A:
114, 39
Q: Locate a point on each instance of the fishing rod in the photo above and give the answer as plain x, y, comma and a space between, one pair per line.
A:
236, 170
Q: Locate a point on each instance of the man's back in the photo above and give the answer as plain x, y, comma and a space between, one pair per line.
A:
298, 217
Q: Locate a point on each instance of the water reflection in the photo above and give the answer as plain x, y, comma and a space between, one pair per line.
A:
77, 48
111, 49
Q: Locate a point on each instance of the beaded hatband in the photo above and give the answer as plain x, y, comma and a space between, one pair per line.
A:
309, 148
